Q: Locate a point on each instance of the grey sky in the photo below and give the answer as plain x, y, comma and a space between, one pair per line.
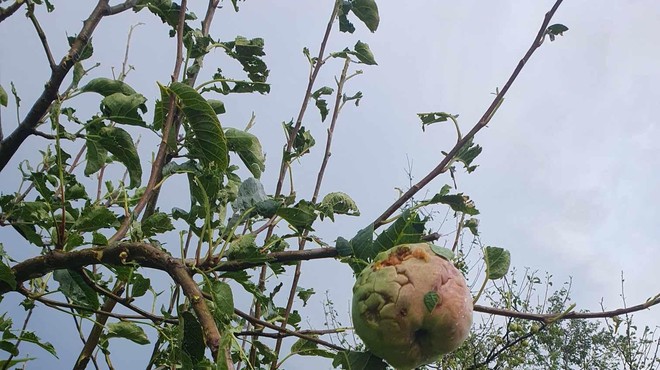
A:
567, 180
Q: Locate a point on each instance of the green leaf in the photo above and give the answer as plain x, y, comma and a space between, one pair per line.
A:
268, 208
223, 298
193, 337
408, 228
119, 142
248, 148
301, 216
305, 294
302, 143
473, 225
157, 223
140, 285
304, 347
217, 105
338, 203
457, 202
322, 104
96, 155
4, 98
367, 12
107, 87
74, 287
28, 336
344, 24
208, 142
467, 154
442, 252
99, 239
6, 364
124, 109
94, 218
127, 330
434, 117
556, 30
431, 300
7, 275
353, 360
497, 261
250, 193
364, 54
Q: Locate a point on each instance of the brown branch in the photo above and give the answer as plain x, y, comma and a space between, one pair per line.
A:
41, 34
95, 334
144, 255
11, 9
257, 322
550, 318
10, 144
449, 157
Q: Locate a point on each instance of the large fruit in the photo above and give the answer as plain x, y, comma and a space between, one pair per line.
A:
410, 306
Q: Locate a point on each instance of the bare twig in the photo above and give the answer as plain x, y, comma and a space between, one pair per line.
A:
317, 189
449, 157
41, 34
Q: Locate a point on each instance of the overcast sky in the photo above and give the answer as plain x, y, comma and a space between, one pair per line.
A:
567, 180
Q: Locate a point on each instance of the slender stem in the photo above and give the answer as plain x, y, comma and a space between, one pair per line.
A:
442, 166
317, 189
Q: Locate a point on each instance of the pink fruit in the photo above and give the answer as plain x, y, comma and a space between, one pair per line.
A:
410, 306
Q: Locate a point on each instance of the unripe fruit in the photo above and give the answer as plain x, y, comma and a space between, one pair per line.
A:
410, 306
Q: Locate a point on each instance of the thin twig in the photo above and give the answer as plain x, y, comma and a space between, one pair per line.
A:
449, 157
317, 189
41, 34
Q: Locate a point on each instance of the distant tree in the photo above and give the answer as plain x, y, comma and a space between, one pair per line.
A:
88, 213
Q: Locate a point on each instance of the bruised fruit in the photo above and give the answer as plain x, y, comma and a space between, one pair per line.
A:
410, 306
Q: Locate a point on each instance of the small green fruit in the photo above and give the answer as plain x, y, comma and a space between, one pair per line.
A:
410, 306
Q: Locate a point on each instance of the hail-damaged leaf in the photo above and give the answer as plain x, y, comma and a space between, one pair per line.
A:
250, 193
556, 30
473, 225
364, 54
408, 228
302, 143
120, 143
468, 152
321, 103
7, 275
434, 117
367, 12
301, 216
431, 300
442, 252
497, 261
338, 203
124, 109
157, 223
107, 87
208, 142
248, 148
127, 330
74, 287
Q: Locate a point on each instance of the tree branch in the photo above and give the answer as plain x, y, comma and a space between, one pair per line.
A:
11, 9
449, 157
10, 144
